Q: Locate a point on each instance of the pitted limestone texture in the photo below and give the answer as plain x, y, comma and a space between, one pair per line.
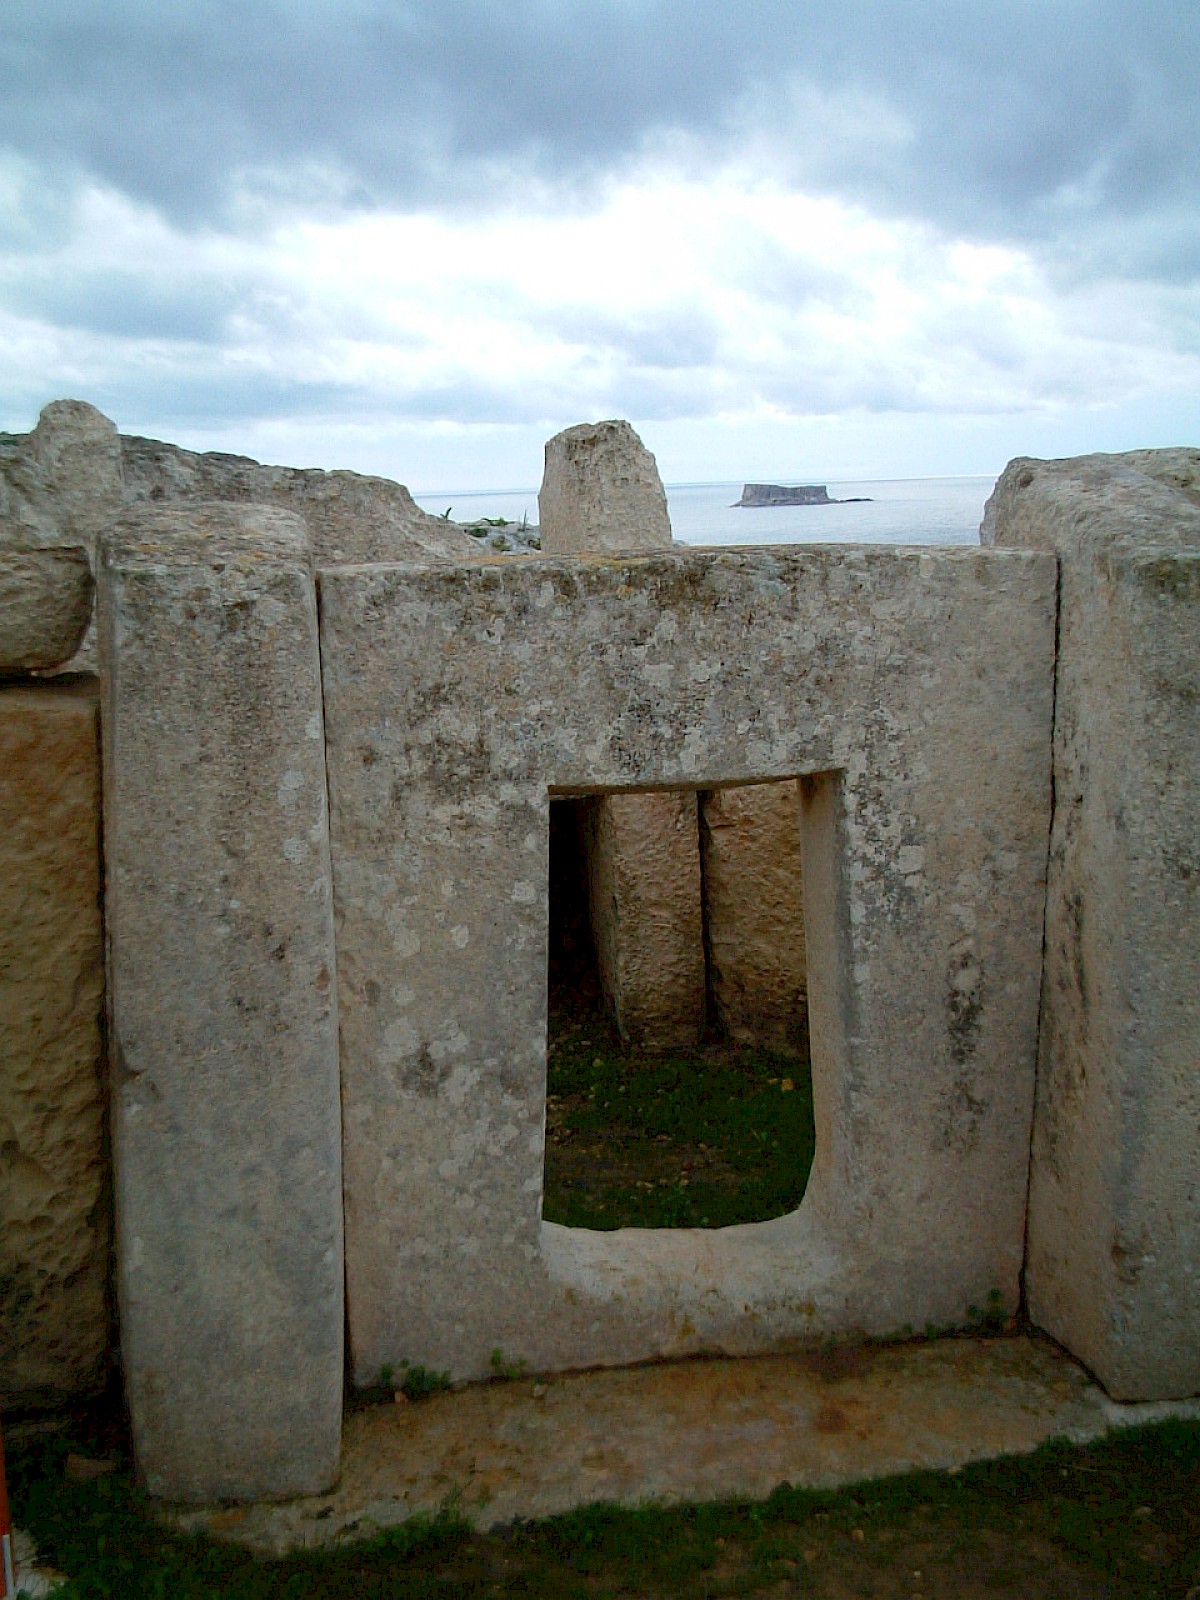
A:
223, 1016
55, 1242
601, 492
754, 913
643, 861
911, 692
61, 483
1114, 1219
73, 475
350, 517
45, 605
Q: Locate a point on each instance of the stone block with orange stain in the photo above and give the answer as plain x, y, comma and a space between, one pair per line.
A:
55, 1239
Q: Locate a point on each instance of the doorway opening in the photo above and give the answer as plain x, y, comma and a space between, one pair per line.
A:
679, 1087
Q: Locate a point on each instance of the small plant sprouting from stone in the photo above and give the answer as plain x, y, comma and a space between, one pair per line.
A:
991, 1318
503, 1368
416, 1383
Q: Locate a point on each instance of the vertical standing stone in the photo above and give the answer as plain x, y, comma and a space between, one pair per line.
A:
1113, 1268
601, 492
754, 913
226, 1120
55, 1233
644, 891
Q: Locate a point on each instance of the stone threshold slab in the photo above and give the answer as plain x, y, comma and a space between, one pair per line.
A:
687, 1431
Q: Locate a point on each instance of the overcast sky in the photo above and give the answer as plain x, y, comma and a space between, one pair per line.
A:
785, 239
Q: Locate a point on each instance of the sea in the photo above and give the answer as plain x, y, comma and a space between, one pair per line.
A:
880, 511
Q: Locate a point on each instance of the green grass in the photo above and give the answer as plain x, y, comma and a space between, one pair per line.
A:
645, 1140
1117, 1519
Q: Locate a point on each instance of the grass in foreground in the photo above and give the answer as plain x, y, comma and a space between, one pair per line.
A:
1117, 1520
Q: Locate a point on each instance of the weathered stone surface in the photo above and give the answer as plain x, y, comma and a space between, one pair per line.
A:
644, 891
350, 517
45, 606
1114, 1223
914, 687
223, 1019
54, 1215
61, 484
601, 492
69, 479
754, 913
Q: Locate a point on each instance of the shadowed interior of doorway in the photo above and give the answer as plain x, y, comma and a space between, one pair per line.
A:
706, 1135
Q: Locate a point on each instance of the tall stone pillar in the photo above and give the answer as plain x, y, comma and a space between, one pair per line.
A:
601, 493
223, 1017
644, 892
1113, 1268
754, 910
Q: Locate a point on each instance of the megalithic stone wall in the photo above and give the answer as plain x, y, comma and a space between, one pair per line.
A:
914, 690
223, 1032
1113, 1267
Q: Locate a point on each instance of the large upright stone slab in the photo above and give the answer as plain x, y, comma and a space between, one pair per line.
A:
601, 492
754, 913
54, 1209
643, 863
911, 690
1114, 1219
223, 1033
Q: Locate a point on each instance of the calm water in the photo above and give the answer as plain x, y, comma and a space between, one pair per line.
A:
901, 511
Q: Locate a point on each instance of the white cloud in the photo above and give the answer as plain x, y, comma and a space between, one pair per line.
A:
676, 297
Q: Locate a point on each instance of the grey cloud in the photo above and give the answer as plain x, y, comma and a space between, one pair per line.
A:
1015, 118
125, 303
676, 338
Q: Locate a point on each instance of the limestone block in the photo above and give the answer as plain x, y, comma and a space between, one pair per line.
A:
54, 1214
754, 913
45, 606
1114, 1220
350, 517
223, 1018
913, 689
601, 492
643, 857
61, 483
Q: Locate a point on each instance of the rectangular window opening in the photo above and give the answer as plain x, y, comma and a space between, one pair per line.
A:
679, 1086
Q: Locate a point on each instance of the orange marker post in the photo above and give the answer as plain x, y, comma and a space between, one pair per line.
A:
6, 1539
